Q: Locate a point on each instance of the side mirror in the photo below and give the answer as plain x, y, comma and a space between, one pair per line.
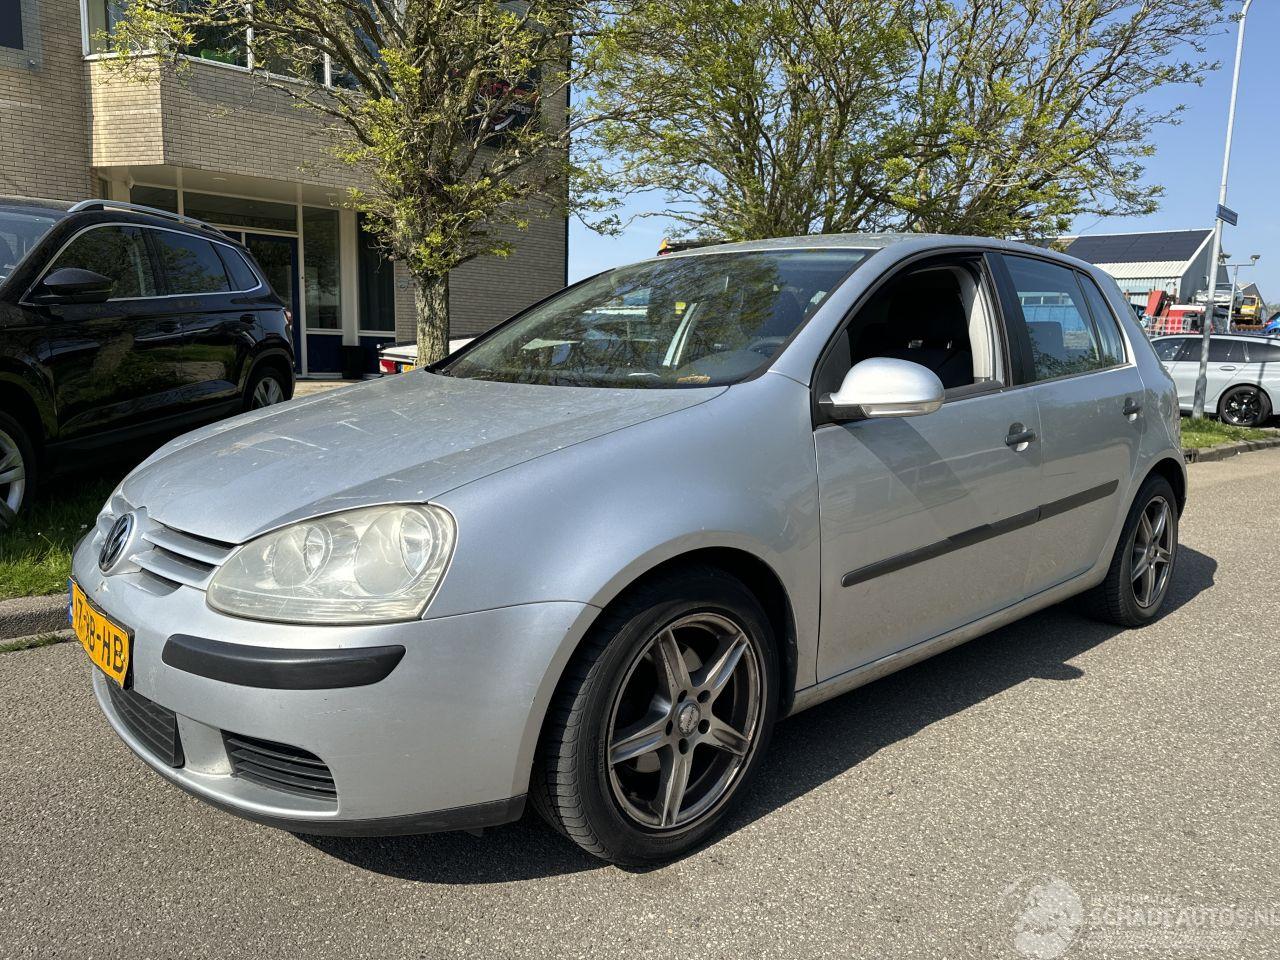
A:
883, 387
73, 285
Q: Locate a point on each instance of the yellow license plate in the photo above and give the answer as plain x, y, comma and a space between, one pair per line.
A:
107, 643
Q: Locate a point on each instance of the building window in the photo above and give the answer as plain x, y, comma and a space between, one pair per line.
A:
377, 284
321, 262
11, 24
162, 198
238, 212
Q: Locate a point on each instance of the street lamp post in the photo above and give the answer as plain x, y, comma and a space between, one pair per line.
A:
1210, 308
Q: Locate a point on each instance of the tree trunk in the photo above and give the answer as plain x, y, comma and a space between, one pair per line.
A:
431, 302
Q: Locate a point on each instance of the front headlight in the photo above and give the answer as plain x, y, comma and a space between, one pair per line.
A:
362, 566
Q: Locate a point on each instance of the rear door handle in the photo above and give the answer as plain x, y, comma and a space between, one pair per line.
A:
1132, 407
1226, 369
1019, 436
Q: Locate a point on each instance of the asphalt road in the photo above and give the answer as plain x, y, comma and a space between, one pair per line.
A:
1056, 788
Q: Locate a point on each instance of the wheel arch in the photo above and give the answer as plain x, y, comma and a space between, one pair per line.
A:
17, 401
1173, 471
272, 357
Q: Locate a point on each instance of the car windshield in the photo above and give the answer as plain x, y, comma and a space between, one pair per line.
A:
695, 321
19, 232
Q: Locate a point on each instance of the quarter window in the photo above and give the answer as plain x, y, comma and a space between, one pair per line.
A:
1064, 340
116, 252
1264, 352
242, 277
190, 264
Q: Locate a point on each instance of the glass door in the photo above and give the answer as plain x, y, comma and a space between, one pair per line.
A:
278, 257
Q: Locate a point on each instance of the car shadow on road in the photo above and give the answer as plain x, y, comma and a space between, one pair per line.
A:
807, 751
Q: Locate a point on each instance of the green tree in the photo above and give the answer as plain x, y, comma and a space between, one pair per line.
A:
997, 117
750, 118
454, 109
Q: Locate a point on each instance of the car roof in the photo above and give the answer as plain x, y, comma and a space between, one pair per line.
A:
874, 242
34, 204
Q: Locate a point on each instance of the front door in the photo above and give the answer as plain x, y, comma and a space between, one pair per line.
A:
928, 521
278, 258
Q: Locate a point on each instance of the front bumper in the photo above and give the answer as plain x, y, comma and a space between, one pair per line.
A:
444, 741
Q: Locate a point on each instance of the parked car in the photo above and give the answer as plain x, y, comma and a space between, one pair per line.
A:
592, 557
1243, 376
403, 357
120, 322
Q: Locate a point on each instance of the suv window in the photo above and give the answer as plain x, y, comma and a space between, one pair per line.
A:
1104, 320
1226, 351
1064, 340
190, 264
1264, 352
117, 252
1167, 350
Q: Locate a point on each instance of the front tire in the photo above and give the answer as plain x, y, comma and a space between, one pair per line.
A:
1141, 570
661, 721
1244, 406
17, 469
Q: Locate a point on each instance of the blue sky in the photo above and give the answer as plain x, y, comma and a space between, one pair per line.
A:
1188, 163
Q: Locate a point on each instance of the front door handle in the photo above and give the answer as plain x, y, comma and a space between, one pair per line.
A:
1226, 368
1132, 406
1019, 436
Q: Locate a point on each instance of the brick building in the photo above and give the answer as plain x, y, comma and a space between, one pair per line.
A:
214, 143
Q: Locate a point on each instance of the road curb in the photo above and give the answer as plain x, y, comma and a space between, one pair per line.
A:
1227, 450
46, 639
27, 616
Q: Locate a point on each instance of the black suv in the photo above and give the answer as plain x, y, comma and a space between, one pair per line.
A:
118, 323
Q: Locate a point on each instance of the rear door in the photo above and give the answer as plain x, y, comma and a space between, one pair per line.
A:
1089, 396
217, 324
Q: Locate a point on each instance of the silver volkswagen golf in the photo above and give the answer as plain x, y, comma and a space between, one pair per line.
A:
590, 559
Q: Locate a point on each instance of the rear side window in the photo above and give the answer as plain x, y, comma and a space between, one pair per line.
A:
190, 264
1105, 320
1226, 351
1264, 352
242, 277
116, 252
1167, 350
1064, 340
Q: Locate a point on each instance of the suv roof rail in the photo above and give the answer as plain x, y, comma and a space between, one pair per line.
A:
97, 204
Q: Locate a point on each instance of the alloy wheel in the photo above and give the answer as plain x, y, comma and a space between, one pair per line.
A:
13, 478
1153, 549
1243, 408
267, 393
684, 722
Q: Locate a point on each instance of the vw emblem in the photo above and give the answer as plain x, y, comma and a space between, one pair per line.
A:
117, 538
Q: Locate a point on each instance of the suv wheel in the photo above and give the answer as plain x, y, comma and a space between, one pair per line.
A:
661, 721
1141, 569
1244, 406
266, 389
17, 468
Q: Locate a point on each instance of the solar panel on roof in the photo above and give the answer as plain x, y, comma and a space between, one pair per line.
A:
1178, 245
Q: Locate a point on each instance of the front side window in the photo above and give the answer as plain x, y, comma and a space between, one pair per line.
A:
1064, 340
20, 230
118, 253
695, 321
190, 264
1167, 350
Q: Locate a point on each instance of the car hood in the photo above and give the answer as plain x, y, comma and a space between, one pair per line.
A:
406, 438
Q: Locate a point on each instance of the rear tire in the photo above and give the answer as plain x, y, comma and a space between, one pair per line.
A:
661, 720
267, 387
17, 469
1137, 582
1244, 406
